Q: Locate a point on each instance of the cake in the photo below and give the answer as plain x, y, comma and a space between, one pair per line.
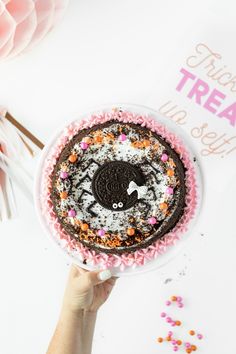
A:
119, 185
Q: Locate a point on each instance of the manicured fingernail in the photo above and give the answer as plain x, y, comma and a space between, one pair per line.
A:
104, 275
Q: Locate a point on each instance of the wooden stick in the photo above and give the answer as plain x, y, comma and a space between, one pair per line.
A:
24, 131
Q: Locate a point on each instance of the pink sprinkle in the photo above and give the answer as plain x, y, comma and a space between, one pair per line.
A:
170, 190
163, 314
101, 232
164, 157
152, 220
180, 304
174, 342
187, 345
122, 137
168, 303
63, 175
200, 336
173, 324
170, 334
179, 298
83, 145
168, 319
175, 348
72, 213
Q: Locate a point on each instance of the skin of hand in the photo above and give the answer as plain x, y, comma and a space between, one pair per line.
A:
87, 290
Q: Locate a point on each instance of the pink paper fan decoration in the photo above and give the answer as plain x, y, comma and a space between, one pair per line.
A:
23, 23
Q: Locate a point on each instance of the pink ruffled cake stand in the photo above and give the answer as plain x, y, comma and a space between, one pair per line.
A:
161, 251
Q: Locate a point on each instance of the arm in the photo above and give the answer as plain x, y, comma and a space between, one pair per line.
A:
85, 293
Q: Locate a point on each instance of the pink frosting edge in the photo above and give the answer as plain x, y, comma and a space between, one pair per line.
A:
139, 257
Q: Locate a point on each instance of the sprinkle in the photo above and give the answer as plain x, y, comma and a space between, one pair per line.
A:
164, 157
180, 304
130, 232
187, 345
175, 348
63, 195
173, 298
179, 298
122, 137
84, 227
168, 339
73, 158
199, 336
83, 145
163, 206
152, 220
101, 232
179, 342
168, 303
63, 175
178, 323
191, 333
98, 139
170, 173
168, 319
189, 350
193, 347
72, 213
170, 334
146, 143
160, 340
169, 190
174, 342
163, 314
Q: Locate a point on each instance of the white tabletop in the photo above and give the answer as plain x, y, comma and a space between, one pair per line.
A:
112, 51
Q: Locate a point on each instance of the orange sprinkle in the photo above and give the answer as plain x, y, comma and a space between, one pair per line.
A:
173, 298
84, 227
98, 139
73, 158
64, 214
146, 143
163, 206
179, 342
63, 195
191, 333
188, 350
130, 232
178, 323
136, 144
193, 347
168, 339
111, 135
170, 173
139, 144
160, 340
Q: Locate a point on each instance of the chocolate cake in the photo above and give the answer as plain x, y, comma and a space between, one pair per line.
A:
118, 187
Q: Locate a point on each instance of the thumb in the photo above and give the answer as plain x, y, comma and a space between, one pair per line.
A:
97, 277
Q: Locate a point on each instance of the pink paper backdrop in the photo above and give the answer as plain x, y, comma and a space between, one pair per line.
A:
23, 23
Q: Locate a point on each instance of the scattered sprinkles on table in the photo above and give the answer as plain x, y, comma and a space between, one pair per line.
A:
177, 343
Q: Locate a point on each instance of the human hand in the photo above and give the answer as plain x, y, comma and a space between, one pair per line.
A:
87, 290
